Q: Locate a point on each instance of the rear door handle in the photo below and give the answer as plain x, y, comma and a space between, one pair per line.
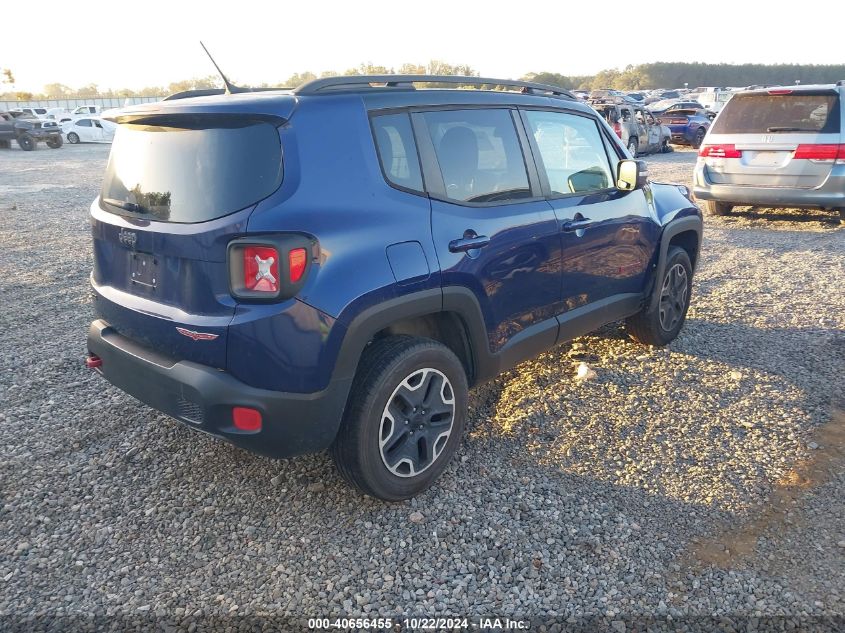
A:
468, 243
577, 225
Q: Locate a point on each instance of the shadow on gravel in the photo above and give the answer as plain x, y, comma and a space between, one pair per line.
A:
809, 358
830, 218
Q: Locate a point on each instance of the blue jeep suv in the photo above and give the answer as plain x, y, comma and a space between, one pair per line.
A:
333, 267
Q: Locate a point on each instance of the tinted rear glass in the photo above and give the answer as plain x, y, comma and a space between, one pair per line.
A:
773, 114
397, 150
191, 171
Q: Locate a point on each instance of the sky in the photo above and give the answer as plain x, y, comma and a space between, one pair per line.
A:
121, 44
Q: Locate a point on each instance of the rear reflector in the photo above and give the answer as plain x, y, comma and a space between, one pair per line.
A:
261, 269
820, 152
297, 259
246, 419
720, 151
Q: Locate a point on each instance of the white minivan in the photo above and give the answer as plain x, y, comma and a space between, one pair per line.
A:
775, 147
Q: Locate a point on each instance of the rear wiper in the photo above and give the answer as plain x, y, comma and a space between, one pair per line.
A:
126, 206
788, 129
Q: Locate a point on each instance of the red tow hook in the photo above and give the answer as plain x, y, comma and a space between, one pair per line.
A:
93, 361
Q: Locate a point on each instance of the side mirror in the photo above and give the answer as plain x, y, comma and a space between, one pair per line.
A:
633, 174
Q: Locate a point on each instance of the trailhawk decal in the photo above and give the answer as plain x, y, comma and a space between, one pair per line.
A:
196, 336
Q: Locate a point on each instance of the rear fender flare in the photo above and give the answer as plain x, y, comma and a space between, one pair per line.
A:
458, 300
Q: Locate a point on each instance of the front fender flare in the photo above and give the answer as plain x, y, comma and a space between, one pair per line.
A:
671, 229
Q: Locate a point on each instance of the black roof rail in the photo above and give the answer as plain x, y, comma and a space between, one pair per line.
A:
357, 82
208, 92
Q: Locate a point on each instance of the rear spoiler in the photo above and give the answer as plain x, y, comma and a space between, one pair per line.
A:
211, 92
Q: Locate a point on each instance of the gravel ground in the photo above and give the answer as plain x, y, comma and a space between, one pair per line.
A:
704, 479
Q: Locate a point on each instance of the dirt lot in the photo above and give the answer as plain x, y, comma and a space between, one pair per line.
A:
701, 480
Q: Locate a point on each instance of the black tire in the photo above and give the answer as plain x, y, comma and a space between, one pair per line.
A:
633, 146
73, 138
27, 143
55, 142
662, 324
842, 214
712, 207
698, 138
382, 394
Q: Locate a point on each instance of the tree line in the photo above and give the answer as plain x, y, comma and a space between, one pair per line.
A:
632, 77
676, 74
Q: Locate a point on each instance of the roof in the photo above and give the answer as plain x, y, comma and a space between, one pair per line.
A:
377, 92
793, 88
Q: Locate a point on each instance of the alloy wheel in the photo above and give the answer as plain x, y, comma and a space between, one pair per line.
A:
416, 422
673, 297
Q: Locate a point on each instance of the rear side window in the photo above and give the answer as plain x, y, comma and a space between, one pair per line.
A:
773, 114
191, 169
397, 150
479, 155
84, 123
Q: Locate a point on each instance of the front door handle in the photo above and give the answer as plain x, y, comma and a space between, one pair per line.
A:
577, 225
470, 241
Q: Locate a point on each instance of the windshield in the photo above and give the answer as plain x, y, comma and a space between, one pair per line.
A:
192, 169
780, 113
681, 112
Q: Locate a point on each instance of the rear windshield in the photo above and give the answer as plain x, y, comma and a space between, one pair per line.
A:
773, 114
191, 171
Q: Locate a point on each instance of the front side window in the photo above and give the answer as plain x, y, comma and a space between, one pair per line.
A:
572, 152
479, 155
397, 150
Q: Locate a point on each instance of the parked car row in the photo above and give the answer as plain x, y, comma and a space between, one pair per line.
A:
27, 130
60, 115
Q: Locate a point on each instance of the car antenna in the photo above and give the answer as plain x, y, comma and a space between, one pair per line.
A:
230, 87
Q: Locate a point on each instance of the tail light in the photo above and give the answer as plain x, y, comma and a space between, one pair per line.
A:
261, 268
617, 127
781, 91
821, 153
270, 268
297, 260
720, 151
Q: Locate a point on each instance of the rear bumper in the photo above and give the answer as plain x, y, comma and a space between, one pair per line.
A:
202, 397
829, 195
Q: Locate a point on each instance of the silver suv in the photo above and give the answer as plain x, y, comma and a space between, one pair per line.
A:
777, 147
